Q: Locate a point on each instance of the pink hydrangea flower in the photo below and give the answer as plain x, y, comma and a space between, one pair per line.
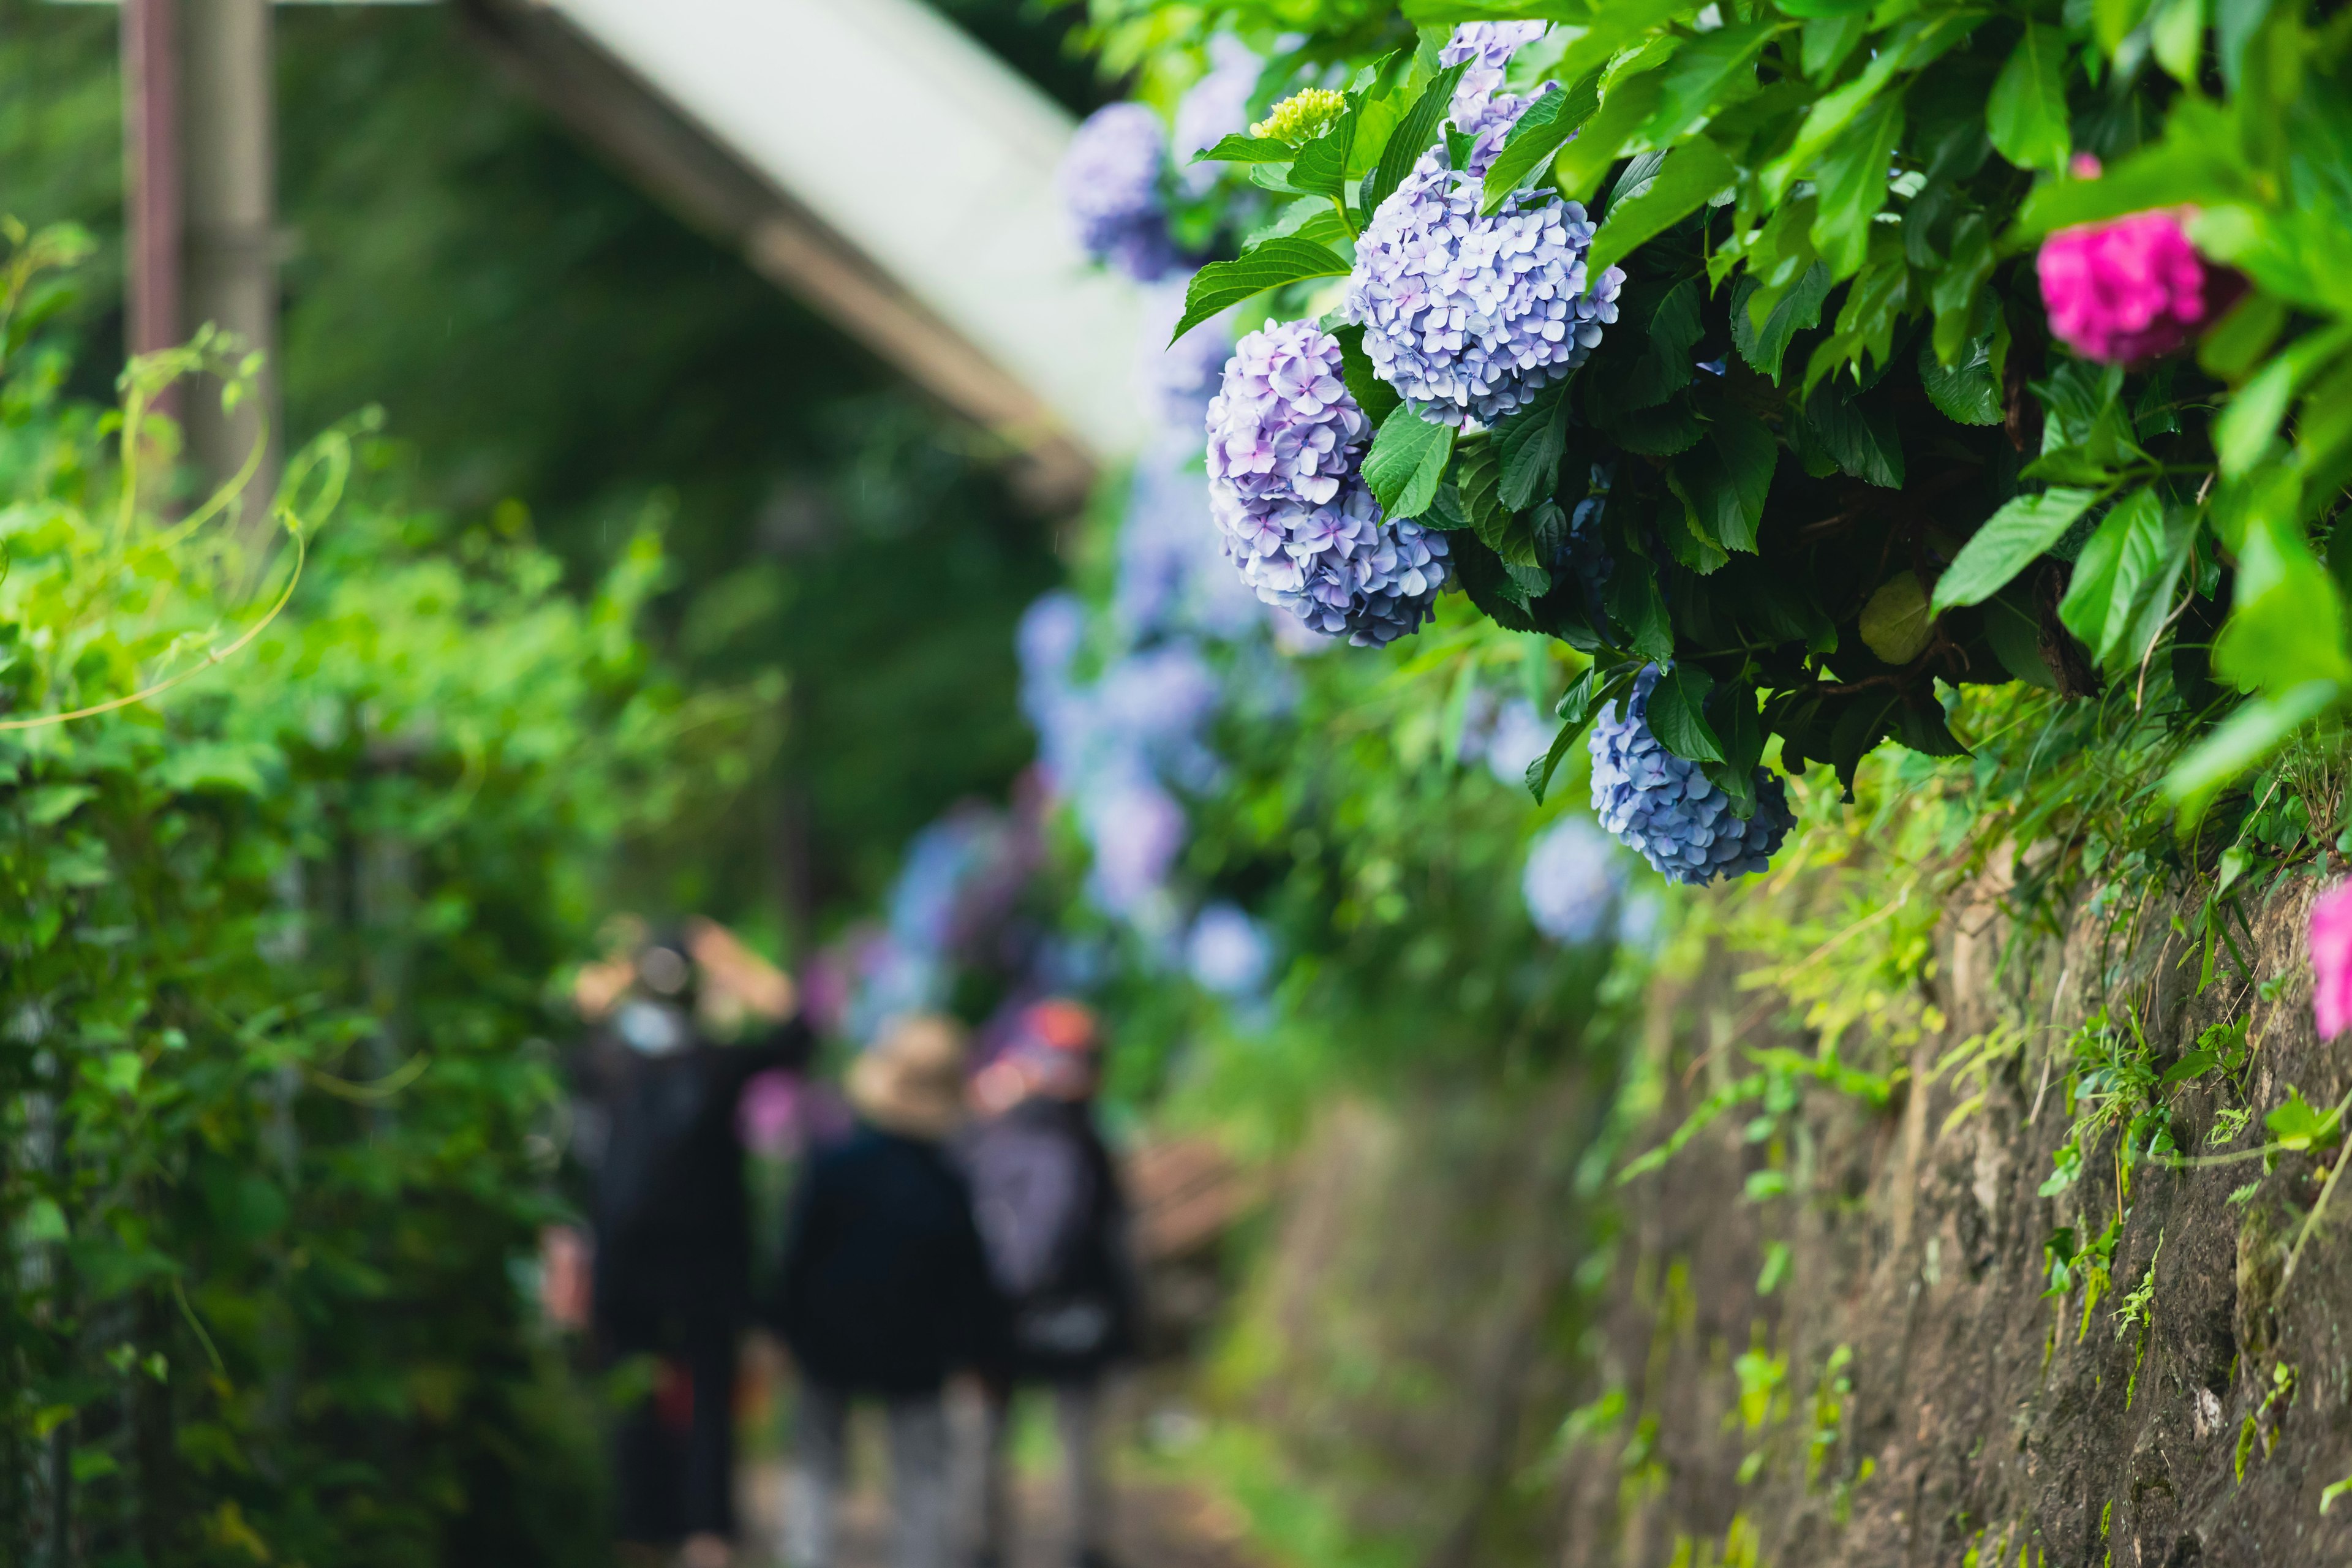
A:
2131, 290
2331, 961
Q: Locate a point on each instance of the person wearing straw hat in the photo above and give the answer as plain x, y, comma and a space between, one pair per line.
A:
885, 1293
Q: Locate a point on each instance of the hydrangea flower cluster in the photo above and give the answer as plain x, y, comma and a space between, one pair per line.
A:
1572, 882
1110, 187
2129, 291
1474, 315
1285, 444
1663, 808
1480, 105
1303, 116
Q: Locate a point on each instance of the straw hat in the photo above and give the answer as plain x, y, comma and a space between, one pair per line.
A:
911, 1081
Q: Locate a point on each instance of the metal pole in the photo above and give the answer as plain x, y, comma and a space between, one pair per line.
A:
230, 150
151, 145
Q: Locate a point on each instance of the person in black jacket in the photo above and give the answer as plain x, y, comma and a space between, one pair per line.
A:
1055, 1223
654, 1127
885, 1293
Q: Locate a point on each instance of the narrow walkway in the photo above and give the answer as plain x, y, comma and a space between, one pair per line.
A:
1154, 1525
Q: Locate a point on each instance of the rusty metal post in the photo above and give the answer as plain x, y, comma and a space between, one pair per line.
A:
151, 147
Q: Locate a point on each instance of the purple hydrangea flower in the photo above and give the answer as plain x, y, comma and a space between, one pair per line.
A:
1226, 952
1286, 442
1216, 106
1474, 315
1571, 882
1479, 105
1110, 187
1662, 806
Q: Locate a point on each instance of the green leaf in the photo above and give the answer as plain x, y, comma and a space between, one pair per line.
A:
1542, 132
2242, 337
2122, 567
1692, 173
2112, 21
2300, 1125
1540, 771
1530, 443
2287, 620
1857, 430
1963, 392
1221, 284
1322, 166
1578, 167
2026, 115
1414, 136
1709, 72
1959, 286
1239, 149
52, 803
1407, 459
1678, 716
1800, 309
2241, 740
42, 1221
1731, 476
2007, 542
1375, 397
2176, 38
1851, 176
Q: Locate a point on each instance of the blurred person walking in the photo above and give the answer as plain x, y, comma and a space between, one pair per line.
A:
655, 1126
1054, 1222
885, 1294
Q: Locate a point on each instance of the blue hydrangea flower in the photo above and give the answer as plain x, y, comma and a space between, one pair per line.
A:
1474, 315
1110, 187
1572, 882
1662, 806
1286, 443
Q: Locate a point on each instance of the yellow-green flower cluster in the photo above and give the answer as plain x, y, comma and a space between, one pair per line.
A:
1302, 117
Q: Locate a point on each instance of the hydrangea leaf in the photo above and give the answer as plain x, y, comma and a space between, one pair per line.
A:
1375, 397
1857, 432
1578, 167
1407, 459
1240, 149
1223, 284
1964, 391
2007, 542
2026, 115
1540, 132
1678, 716
1763, 344
1709, 72
1414, 136
1693, 172
1530, 443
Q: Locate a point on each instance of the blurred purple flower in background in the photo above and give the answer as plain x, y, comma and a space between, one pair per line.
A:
1227, 953
1505, 736
1572, 882
1110, 188
1136, 829
1216, 106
